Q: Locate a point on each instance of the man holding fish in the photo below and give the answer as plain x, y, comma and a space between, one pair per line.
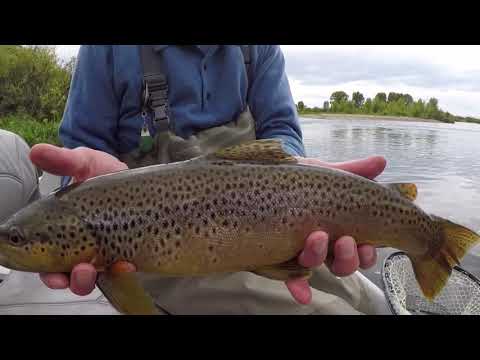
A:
216, 96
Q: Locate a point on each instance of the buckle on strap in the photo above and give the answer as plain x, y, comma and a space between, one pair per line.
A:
155, 98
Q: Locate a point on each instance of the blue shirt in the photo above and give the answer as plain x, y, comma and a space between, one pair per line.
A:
208, 86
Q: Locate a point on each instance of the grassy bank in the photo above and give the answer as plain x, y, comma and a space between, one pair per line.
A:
470, 120
309, 113
33, 131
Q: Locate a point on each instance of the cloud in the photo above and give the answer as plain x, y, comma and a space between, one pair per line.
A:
334, 67
67, 51
447, 73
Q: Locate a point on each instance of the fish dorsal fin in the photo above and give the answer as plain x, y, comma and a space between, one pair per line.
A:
407, 190
263, 151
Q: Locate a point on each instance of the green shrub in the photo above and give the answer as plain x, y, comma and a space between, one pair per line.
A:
33, 81
32, 131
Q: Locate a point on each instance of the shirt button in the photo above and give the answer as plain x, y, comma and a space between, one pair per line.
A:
205, 67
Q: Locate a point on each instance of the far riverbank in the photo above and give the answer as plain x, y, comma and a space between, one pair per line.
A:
336, 116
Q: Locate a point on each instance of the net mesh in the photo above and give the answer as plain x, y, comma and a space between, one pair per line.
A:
461, 295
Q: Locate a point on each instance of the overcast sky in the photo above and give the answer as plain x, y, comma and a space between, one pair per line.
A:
449, 73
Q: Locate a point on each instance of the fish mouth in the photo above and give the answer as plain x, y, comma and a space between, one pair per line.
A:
5, 260
4, 236
4, 232
13, 259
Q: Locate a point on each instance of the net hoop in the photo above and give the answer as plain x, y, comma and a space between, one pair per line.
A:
461, 295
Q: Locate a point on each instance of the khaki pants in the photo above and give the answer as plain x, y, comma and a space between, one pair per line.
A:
246, 293
240, 293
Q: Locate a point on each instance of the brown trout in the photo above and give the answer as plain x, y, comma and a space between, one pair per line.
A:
245, 208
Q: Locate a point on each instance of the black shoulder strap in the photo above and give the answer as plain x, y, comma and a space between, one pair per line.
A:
247, 59
247, 56
155, 87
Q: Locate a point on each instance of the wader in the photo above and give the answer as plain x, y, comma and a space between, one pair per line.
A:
240, 293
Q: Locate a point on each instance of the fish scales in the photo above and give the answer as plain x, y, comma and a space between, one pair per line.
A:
216, 217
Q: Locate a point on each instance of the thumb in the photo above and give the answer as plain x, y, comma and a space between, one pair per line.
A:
60, 161
81, 163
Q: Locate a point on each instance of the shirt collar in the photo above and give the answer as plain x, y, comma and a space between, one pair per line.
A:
159, 48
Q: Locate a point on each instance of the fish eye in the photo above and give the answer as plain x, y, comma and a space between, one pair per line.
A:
16, 237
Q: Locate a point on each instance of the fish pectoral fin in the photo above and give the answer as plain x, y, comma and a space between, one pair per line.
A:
285, 271
407, 190
262, 151
126, 294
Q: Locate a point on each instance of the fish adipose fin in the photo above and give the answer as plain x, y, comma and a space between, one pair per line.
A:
407, 190
433, 269
262, 151
126, 294
284, 271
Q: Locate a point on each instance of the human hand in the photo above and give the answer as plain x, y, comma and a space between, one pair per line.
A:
81, 164
347, 257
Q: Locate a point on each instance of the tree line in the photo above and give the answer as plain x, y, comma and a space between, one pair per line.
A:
395, 104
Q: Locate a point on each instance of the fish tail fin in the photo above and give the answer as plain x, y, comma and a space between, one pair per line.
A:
433, 269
